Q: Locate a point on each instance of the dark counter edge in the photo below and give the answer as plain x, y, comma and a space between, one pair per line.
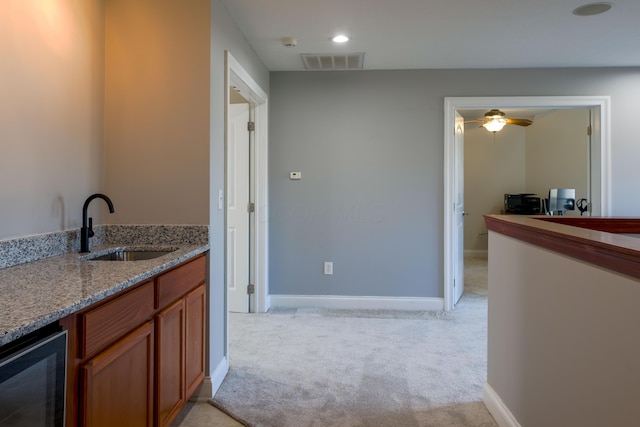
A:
22, 330
594, 240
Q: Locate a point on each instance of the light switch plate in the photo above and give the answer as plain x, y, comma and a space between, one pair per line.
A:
295, 175
328, 268
220, 199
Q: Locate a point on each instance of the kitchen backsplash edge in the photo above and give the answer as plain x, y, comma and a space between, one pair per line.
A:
39, 246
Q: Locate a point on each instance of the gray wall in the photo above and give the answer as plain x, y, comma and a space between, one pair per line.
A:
369, 146
367, 173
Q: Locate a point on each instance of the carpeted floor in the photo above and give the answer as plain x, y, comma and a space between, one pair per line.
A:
317, 367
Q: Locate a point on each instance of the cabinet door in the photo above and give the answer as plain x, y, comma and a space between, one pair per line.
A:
170, 336
195, 344
118, 383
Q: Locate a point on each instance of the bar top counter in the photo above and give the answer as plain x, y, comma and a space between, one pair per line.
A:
609, 242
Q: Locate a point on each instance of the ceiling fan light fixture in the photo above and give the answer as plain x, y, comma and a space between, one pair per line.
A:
495, 124
494, 120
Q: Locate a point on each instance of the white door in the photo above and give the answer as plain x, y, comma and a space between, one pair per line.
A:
237, 207
458, 209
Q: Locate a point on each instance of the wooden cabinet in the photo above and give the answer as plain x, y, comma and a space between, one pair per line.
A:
176, 283
170, 330
118, 383
196, 312
135, 359
104, 324
180, 353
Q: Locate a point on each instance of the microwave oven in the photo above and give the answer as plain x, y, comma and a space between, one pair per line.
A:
523, 204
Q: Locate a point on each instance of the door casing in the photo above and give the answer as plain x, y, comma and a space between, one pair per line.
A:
241, 80
453, 104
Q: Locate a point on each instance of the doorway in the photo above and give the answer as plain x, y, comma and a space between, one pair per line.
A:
253, 256
600, 185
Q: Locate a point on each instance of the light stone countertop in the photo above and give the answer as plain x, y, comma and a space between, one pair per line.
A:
37, 293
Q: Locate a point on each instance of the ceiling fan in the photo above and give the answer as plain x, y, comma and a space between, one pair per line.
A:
494, 120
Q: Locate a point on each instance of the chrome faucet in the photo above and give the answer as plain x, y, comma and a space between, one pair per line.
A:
87, 231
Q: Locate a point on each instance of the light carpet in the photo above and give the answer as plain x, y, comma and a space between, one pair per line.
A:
318, 367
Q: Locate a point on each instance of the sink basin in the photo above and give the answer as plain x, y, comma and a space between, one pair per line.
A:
131, 255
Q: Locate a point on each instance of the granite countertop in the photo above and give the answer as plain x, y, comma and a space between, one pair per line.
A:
37, 293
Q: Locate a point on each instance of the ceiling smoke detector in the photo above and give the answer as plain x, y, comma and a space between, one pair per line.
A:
289, 41
333, 62
592, 9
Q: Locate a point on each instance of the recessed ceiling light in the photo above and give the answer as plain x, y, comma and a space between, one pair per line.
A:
340, 38
592, 9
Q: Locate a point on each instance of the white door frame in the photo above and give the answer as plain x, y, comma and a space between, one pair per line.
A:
238, 77
452, 104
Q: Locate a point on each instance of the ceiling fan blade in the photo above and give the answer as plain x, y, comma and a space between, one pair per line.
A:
475, 121
519, 122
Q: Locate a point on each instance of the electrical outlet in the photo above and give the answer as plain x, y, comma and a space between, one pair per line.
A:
328, 268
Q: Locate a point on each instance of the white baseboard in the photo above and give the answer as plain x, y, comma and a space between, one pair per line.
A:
357, 302
267, 304
217, 376
204, 392
476, 253
497, 408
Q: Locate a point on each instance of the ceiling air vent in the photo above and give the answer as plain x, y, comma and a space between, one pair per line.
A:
332, 62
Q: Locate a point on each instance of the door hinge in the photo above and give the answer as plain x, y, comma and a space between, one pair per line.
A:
589, 130
251, 126
251, 289
251, 207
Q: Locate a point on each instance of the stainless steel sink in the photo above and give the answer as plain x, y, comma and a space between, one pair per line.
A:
131, 255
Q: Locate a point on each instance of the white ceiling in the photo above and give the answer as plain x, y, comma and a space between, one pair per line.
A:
415, 34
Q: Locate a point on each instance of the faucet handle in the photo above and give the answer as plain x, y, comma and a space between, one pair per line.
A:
91, 233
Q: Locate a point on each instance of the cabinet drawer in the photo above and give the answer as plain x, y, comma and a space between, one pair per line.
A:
106, 323
176, 283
